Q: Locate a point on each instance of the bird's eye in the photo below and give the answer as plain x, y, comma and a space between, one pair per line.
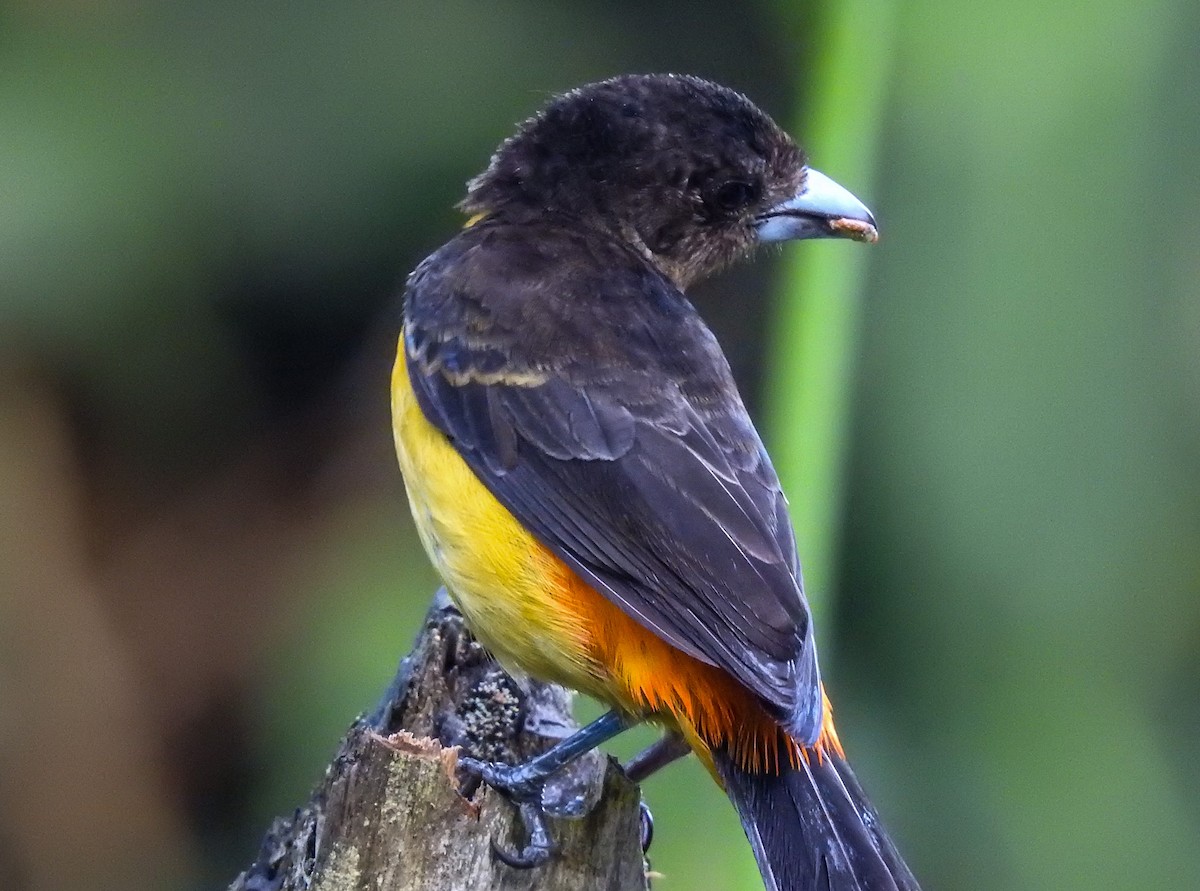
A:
734, 195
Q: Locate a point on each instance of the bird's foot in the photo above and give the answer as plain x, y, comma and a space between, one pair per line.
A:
560, 782
539, 848
512, 780
524, 790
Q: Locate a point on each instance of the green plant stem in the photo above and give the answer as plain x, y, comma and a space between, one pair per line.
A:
816, 316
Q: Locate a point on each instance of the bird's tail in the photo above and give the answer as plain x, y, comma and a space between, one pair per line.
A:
812, 827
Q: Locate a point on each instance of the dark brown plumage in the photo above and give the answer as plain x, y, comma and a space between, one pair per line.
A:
552, 343
578, 377
675, 166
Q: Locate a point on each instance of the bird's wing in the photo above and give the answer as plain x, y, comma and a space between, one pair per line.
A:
664, 501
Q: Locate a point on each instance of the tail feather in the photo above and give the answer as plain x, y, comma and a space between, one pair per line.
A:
813, 829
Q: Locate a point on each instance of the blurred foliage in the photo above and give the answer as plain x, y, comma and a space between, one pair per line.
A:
814, 332
205, 213
1025, 457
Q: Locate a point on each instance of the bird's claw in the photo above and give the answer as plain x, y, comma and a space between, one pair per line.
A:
540, 847
647, 826
526, 794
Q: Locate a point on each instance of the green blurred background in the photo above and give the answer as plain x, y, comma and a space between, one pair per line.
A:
988, 423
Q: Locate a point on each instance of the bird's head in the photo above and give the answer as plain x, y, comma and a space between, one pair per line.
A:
689, 172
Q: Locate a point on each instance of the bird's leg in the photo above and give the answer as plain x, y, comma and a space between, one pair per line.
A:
669, 748
523, 783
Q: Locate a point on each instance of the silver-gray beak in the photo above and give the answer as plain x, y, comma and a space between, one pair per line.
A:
821, 209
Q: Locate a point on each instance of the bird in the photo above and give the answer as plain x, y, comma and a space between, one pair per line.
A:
586, 479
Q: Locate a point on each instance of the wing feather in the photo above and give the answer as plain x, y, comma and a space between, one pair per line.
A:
642, 472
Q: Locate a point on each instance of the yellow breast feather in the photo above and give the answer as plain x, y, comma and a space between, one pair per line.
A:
499, 575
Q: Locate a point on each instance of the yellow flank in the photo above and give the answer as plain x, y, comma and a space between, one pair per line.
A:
502, 579
536, 615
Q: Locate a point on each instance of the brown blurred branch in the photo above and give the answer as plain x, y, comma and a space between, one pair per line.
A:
388, 815
84, 791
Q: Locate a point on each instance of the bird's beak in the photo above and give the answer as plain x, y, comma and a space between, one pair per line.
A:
821, 209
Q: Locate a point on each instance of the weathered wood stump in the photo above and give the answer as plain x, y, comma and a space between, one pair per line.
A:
388, 815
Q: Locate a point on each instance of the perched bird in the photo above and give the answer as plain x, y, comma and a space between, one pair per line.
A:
585, 477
